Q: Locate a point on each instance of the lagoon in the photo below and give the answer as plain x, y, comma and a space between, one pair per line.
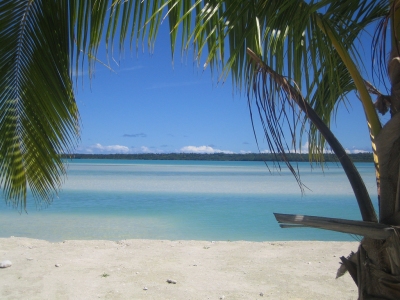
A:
187, 200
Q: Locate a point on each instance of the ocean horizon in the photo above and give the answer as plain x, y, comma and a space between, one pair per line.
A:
188, 200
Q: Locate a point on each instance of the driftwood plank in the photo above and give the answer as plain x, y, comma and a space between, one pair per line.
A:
366, 229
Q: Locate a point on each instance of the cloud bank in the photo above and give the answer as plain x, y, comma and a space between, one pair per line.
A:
98, 148
357, 151
210, 149
203, 149
304, 150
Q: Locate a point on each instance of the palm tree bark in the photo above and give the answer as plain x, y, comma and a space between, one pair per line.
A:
378, 261
388, 142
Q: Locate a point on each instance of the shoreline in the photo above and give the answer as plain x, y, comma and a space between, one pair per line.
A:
140, 268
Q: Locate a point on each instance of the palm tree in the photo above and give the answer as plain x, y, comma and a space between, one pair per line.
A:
296, 60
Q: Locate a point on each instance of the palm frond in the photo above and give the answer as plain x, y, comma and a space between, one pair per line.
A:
38, 114
289, 97
284, 32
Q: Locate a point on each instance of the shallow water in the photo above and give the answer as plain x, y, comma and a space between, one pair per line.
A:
190, 200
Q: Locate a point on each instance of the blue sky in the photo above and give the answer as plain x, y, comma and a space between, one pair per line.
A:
149, 105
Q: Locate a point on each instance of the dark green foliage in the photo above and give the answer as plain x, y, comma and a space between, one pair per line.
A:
360, 157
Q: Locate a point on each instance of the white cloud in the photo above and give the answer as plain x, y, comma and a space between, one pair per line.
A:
145, 149
304, 149
360, 151
244, 152
266, 151
203, 149
328, 150
98, 148
354, 150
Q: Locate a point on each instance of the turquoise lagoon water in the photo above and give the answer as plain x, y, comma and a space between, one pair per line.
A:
189, 200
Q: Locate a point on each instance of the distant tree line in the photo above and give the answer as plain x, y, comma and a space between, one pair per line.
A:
359, 157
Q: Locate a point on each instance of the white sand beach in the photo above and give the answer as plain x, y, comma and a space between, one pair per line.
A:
139, 269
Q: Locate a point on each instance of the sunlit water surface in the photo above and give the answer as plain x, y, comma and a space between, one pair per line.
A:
189, 200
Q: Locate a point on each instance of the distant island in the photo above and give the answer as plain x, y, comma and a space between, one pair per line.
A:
359, 157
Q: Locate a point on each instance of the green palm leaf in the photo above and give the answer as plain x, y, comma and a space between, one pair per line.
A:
38, 113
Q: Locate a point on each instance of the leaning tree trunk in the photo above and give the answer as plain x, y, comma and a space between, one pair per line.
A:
377, 263
375, 268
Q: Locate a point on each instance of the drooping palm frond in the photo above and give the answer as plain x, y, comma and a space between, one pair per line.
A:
322, 103
272, 106
386, 63
38, 114
290, 35
379, 51
331, 89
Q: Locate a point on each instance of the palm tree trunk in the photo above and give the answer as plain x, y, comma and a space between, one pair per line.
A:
375, 268
378, 261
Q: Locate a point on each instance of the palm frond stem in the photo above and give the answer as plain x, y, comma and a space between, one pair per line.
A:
374, 124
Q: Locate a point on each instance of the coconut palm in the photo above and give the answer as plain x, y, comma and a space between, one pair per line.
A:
296, 60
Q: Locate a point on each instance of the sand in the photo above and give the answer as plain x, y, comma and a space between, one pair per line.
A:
139, 269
